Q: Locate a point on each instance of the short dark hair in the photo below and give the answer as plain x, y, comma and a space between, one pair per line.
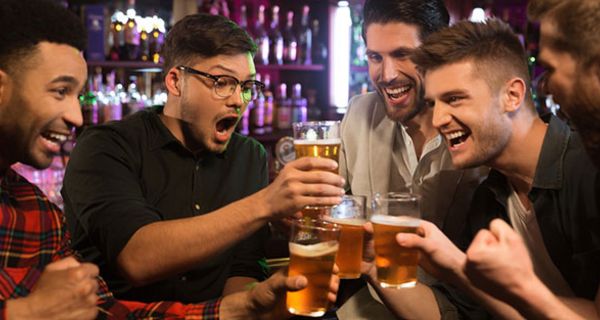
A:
494, 49
577, 28
25, 24
427, 15
204, 36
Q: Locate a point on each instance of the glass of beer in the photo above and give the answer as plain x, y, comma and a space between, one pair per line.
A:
319, 139
392, 214
313, 247
350, 216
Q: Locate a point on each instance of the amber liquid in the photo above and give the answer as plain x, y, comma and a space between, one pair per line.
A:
320, 149
349, 256
315, 262
396, 266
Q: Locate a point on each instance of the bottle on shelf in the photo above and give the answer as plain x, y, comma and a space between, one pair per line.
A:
157, 38
275, 38
269, 104
305, 38
89, 105
243, 22
319, 52
132, 36
261, 38
243, 126
314, 113
145, 28
111, 109
299, 104
116, 36
284, 108
290, 43
257, 113
358, 54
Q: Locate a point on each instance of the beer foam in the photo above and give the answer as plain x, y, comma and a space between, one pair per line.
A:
318, 141
313, 250
354, 222
401, 221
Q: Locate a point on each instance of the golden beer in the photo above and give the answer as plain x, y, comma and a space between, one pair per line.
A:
396, 266
350, 253
324, 148
315, 262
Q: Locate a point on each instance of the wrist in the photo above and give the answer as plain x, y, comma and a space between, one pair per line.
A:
16, 309
260, 206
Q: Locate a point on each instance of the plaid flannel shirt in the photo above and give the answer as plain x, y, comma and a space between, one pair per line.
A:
33, 234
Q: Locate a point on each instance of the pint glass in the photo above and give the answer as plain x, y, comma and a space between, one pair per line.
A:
350, 216
313, 246
394, 213
319, 139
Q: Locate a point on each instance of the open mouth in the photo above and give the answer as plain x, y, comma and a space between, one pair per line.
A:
397, 92
226, 124
55, 137
457, 138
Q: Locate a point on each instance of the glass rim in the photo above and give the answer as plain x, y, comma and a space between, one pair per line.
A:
316, 123
400, 196
316, 224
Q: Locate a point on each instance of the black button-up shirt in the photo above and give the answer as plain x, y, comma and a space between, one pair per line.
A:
127, 174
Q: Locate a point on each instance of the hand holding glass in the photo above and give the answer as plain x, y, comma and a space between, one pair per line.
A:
313, 246
319, 139
350, 216
392, 214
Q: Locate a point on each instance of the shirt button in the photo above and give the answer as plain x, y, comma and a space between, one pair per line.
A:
197, 206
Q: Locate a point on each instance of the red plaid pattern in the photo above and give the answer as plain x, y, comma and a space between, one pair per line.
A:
33, 234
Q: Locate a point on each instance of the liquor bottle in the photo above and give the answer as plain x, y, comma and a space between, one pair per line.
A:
89, 106
298, 104
257, 113
275, 38
157, 38
132, 36
358, 54
243, 126
145, 28
284, 108
269, 104
243, 23
113, 109
261, 38
314, 113
290, 43
319, 52
305, 39
116, 37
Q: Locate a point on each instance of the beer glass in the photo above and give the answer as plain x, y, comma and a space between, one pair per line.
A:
319, 139
394, 213
313, 246
350, 216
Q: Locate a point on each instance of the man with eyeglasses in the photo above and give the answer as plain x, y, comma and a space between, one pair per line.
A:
170, 203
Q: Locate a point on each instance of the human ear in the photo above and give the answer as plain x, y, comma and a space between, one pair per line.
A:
173, 82
514, 95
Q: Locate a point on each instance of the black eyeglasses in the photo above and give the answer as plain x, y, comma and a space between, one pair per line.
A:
225, 85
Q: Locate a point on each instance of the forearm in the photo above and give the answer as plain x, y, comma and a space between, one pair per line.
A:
416, 303
237, 284
164, 248
496, 307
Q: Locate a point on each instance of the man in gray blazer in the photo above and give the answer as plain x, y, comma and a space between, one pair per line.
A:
389, 143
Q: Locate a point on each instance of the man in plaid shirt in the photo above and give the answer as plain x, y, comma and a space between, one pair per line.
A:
42, 72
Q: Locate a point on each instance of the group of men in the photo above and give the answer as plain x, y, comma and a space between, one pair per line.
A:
171, 205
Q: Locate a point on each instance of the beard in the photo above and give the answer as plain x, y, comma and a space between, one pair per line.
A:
585, 116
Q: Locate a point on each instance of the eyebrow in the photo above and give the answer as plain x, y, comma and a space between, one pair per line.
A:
68, 79
222, 67
450, 93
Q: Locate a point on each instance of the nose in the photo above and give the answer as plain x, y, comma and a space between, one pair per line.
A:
73, 116
441, 116
235, 100
389, 70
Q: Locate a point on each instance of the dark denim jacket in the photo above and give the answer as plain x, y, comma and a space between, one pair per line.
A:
566, 199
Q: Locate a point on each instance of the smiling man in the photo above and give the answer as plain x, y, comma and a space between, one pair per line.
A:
542, 182
170, 202
388, 141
